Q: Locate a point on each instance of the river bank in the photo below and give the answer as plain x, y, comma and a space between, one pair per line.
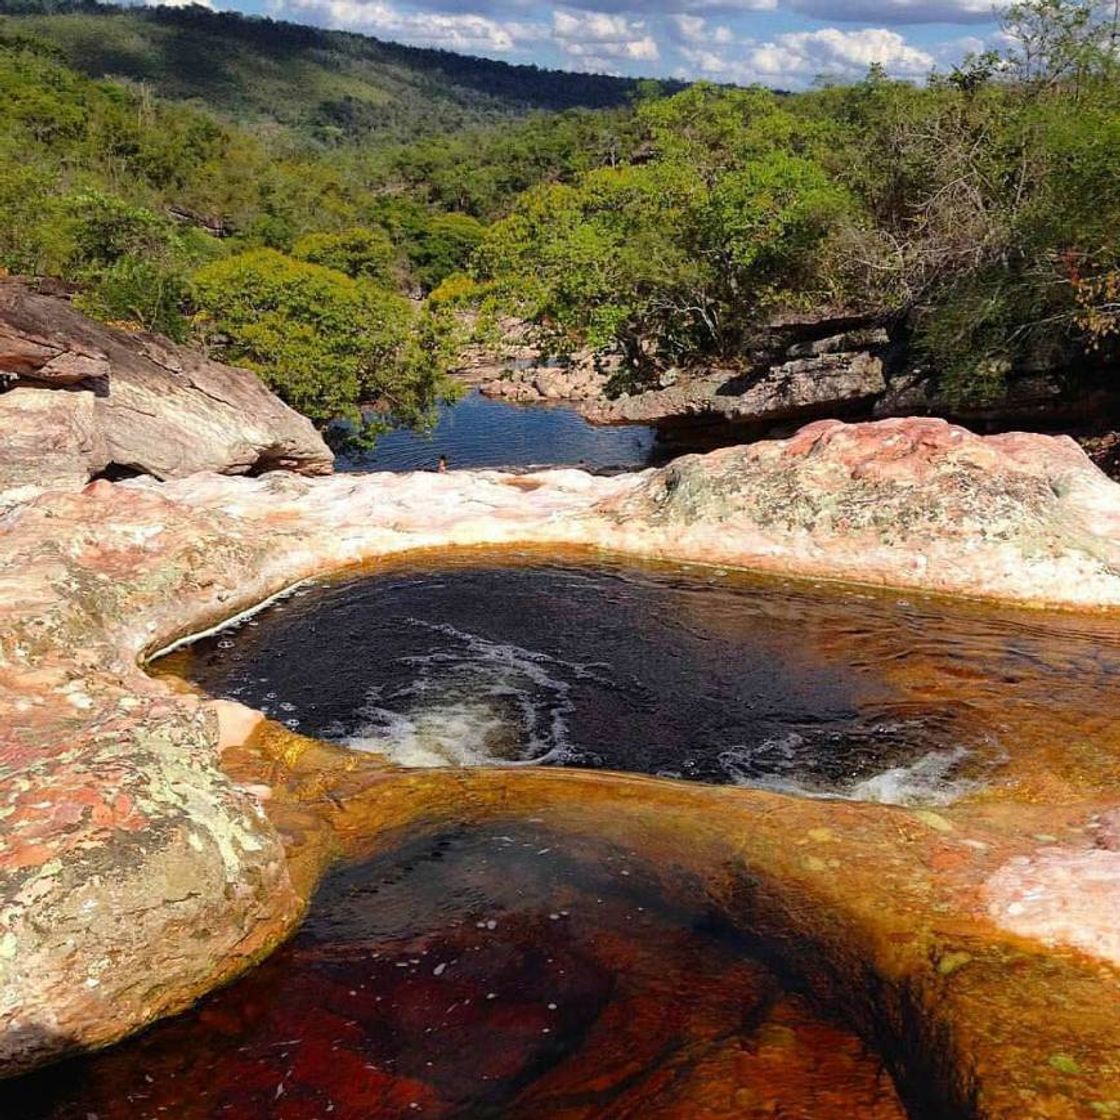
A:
805, 368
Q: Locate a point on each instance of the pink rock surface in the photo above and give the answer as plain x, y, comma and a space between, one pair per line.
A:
1061, 896
134, 875
48, 441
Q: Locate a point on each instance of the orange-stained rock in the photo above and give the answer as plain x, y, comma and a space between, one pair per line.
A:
136, 874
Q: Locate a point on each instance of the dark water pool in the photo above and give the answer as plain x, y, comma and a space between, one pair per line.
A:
481, 975
680, 674
478, 432
525, 973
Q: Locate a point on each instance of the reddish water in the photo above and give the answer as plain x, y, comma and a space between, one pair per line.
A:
486, 975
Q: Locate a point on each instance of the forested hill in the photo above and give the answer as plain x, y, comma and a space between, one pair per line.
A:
332, 86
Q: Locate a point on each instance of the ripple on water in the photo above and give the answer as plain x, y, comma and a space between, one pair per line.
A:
819, 692
471, 701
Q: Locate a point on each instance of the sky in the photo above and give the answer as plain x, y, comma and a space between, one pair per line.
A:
785, 44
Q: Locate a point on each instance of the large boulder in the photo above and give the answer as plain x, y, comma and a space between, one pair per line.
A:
158, 408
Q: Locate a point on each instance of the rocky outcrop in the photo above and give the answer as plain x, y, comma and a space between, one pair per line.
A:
581, 381
157, 408
50, 441
1039, 397
832, 364
481, 363
815, 385
847, 342
805, 367
135, 873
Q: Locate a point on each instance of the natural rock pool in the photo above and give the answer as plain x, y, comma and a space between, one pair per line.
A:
158, 845
492, 973
671, 672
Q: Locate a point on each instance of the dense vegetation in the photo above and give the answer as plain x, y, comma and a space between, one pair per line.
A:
290, 249
287, 259
979, 212
329, 87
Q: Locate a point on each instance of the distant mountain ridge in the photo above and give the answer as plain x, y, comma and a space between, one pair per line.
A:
330, 86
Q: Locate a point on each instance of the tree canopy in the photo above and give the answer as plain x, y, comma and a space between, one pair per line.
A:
978, 211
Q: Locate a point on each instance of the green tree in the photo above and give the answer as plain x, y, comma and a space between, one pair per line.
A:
327, 343
1061, 43
676, 259
360, 252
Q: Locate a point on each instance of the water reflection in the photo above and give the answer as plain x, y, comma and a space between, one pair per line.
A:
478, 432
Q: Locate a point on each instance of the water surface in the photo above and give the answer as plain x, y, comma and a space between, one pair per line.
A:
688, 675
478, 432
484, 974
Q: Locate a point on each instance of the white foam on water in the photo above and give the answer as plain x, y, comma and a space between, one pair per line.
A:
778, 754
472, 702
469, 701
779, 764
927, 781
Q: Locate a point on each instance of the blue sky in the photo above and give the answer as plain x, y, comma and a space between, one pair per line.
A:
783, 43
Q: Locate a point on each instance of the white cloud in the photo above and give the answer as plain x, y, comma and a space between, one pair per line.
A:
855, 51
696, 29
179, 3
796, 57
456, 31
602, 35
723, 40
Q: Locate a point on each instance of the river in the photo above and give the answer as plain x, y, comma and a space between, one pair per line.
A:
478, 432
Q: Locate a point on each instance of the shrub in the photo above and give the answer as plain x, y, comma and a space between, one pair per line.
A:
327, 343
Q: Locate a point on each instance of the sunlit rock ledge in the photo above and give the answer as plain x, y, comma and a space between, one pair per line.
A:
140, 867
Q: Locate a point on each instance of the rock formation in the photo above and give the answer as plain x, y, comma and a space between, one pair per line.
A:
580, 381
48, 441
137, 873
798, 389
833, 364
147, 405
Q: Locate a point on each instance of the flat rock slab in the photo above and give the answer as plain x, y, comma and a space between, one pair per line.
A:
135, 874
